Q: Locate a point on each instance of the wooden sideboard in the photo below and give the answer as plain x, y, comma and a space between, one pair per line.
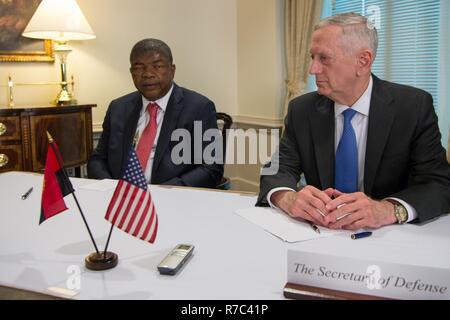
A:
23, 139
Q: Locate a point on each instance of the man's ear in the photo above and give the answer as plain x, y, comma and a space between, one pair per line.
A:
365, 61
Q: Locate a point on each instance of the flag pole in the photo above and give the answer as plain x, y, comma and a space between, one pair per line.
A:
107, 241
85, 222
66, 177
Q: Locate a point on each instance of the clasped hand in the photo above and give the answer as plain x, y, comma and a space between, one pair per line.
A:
335, 210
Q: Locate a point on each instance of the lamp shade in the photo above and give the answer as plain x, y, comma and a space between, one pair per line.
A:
59, 20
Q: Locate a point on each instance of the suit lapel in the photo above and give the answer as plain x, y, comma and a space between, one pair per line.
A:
171, 115
132, 116
381, 117
322, 128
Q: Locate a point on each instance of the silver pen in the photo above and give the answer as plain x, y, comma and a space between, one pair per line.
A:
314, 226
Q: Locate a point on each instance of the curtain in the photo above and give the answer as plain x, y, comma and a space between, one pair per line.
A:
300, 18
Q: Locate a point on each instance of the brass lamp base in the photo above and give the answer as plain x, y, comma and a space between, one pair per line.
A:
64, 98
100, 261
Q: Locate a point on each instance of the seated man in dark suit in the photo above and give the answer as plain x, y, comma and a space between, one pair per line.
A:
369, 149
148, 117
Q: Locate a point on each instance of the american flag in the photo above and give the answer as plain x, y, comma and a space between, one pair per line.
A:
131, 208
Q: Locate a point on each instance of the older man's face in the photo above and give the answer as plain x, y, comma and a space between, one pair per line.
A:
334, 68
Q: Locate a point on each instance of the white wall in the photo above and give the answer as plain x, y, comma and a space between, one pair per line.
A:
260, 60
201, 33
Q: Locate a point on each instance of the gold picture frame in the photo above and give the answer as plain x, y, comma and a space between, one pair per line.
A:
44, 55
15, 16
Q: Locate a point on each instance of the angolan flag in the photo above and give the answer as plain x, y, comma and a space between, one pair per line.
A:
56, 184
131, 208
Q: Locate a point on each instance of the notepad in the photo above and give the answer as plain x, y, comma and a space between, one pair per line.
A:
282, 226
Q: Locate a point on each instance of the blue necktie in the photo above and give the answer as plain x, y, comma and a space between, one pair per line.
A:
346, 166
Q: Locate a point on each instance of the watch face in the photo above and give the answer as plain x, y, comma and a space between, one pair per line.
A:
401, 213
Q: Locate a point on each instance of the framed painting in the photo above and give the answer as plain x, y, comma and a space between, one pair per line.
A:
14, 17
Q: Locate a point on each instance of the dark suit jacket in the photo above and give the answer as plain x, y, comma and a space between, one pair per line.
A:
119, 127
404, 155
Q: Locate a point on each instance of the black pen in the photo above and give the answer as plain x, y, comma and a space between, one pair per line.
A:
360, 235
26, 194
313, 225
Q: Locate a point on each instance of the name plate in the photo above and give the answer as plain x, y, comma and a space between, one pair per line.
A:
369, 277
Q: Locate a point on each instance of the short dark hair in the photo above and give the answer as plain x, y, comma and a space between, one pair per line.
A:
150, 45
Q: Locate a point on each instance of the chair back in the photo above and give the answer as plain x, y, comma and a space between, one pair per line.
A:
224, 122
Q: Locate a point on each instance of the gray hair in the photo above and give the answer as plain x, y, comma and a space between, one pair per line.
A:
151, 45
357, 30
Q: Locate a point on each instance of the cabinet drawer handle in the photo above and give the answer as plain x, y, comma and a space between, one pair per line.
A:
3, 160
2, 129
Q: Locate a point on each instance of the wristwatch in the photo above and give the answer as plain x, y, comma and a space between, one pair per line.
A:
400, 212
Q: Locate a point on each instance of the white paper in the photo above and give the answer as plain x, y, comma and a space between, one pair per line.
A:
283, 226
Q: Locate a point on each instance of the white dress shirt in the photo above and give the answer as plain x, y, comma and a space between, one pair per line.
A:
360, 123
144, 119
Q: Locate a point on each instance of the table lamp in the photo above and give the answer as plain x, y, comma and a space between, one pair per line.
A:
61, 21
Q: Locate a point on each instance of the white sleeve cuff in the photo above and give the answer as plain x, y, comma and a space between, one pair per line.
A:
271, 192
412, 213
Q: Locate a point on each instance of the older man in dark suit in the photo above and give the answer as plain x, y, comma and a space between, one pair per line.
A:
369, 149
148, 118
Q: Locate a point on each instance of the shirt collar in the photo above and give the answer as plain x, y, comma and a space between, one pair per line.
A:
362, 105
161, 102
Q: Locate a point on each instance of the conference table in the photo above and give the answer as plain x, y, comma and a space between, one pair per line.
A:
233, 258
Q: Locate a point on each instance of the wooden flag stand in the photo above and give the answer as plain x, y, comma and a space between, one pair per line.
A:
101, 261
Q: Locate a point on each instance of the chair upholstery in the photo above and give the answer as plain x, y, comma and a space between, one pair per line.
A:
224, 122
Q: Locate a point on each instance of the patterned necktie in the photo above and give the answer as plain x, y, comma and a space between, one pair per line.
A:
346, 166
147, 139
